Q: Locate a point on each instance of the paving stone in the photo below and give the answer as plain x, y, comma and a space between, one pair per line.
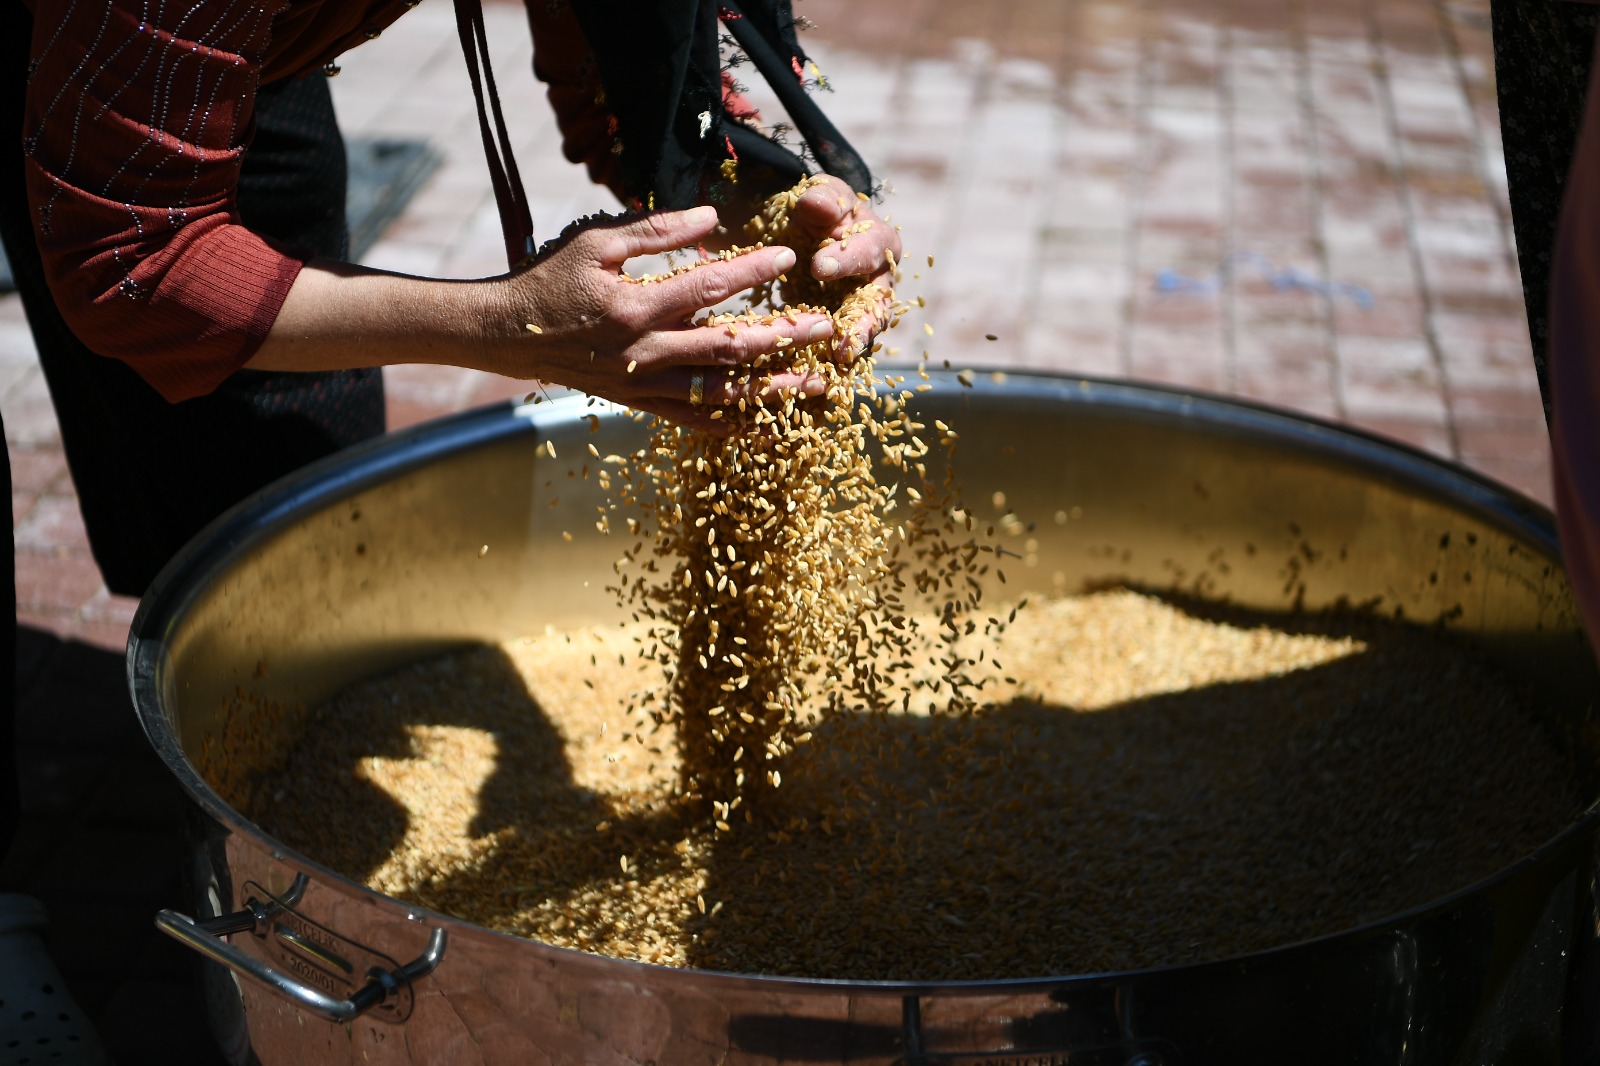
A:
55, 577
1383, 379
1180, 356
1519, 438
492, 388
1430, 434
55, 621
38, 470
104, 633
17, 351
1306, 395
1529, 476
52, 524
1074, 347
30, 420
403, 413
1394, 310
104, 606
1496, 397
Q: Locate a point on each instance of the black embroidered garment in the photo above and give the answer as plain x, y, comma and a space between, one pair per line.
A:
662, 70
650, 110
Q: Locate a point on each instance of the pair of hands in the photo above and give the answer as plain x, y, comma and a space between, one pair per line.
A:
636, 344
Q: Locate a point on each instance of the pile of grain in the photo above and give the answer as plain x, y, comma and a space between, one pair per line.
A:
1160, 783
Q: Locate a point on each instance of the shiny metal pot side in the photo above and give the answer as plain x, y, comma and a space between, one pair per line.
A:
374, 559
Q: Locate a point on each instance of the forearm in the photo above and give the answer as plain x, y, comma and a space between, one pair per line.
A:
339, 316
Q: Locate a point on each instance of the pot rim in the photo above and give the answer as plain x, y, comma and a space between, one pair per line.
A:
269, 510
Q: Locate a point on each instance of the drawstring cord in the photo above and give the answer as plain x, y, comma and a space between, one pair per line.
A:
516, 217
827, 144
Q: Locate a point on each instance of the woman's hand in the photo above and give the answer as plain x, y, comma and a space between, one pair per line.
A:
866, 248
573, 318
582, 323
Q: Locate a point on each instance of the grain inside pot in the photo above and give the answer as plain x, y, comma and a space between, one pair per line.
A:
1160, 782
830, 774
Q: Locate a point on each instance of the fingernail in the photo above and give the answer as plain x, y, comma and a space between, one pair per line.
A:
783, 259
820, 331
827, 267
701, 215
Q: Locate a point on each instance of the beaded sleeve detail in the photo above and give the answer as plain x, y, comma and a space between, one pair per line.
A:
137, 118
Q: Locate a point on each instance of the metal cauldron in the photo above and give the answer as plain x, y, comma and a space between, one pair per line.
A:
373, 559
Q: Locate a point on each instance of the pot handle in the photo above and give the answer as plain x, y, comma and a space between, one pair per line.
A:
207, 938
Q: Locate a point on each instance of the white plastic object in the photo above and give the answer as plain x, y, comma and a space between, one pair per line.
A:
40, 1023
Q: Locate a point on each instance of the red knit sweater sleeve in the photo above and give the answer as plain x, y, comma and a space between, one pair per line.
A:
137, 116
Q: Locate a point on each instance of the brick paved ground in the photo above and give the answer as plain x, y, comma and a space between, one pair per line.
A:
1302, 203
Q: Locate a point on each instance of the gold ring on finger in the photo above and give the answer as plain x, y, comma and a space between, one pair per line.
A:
697, 387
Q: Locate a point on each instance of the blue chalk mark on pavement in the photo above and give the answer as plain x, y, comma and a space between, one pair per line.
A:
1281, 279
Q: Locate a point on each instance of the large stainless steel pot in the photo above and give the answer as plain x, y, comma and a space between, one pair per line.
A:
373, 559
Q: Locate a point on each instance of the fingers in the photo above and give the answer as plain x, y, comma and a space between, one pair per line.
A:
703, 369
722, 389
662, 366
739, 343
714, 281
857, 342
686, 414
824, 208
858, 255
659, 231
863, 245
